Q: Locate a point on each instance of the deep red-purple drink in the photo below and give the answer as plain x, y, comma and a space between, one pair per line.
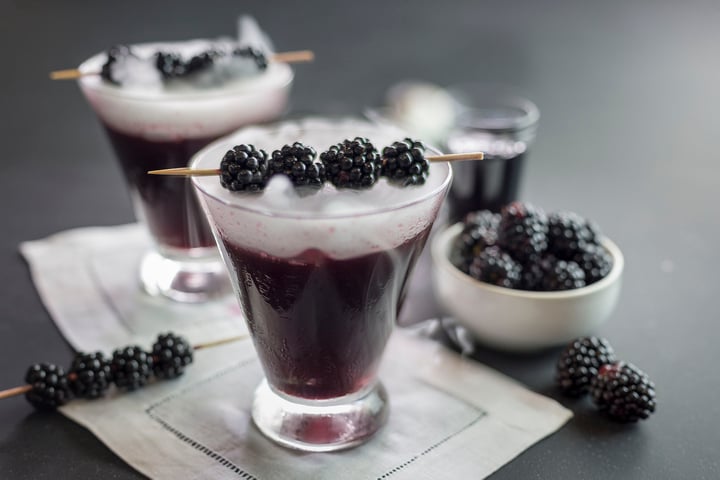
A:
320, 324
168, 204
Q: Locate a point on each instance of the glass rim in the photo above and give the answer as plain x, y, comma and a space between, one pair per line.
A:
192, 95
500, 95
269, 212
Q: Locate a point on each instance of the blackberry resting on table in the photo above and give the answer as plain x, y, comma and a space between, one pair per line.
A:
580, 362
523, 231
244, 168
91, 375
131, 367
624, 392
404, 163
496, 267
568, 232
171, 354
49, 386
297, 161
114, 54
561, 275
595, 261
353, 163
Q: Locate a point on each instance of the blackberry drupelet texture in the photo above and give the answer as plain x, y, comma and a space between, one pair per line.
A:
404, 163
561, 275
352, 163
482, 218
171, 354
580, 362
244, 168
568, 232
49, 384
297, 161
624, 392
496, 267
523, 231
470, 243
131, 367
90, 374
595, 261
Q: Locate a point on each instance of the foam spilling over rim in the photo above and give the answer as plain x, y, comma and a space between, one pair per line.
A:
341, 223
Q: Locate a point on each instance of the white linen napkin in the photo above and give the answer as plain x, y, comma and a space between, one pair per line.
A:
450, 417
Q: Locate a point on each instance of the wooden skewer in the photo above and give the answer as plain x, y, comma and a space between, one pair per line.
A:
11, 392
15, 391
189, 172
297, 56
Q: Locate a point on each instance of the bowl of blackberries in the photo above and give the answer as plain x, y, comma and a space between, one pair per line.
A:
525, 280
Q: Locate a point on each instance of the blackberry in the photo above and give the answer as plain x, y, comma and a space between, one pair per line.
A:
471, 242
496, 267
568, 232
353, 163
259, 57
624, 392
171, 354
244, 168
580, 362
114, 54
90, 375
131, 367
49, 386
561, 275
532, 275
482, 218
523, 231
201, 61
595, 261
170, 65
297, 161
404, 163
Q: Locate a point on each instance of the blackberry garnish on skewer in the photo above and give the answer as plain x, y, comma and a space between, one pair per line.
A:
352, 163
48, 386
297, 162
404, 163
90, 375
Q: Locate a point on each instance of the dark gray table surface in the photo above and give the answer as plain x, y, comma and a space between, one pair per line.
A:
629, 95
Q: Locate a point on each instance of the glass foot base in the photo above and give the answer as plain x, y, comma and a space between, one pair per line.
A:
321, 425
190, 280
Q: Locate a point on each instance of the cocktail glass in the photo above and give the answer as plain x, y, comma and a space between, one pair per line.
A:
319, 284
162, 128
497, 121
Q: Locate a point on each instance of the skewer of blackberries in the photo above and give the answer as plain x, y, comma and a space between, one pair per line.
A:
92, 374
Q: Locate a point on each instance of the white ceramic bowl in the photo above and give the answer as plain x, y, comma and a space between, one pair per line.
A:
521, 320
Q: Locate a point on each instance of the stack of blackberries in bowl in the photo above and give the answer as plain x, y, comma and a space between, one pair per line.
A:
522, 280
523, 248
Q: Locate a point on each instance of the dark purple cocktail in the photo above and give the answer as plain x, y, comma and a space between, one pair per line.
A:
156, 126
320, 279
498, 122
321, 323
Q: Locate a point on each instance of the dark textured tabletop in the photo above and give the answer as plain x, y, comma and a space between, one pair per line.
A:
629, 93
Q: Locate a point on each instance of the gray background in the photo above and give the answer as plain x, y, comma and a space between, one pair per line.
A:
628, 92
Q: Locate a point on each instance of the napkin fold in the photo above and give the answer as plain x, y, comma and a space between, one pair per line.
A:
450, 417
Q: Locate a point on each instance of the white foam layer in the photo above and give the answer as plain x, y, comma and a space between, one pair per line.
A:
179, 109
341, 223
